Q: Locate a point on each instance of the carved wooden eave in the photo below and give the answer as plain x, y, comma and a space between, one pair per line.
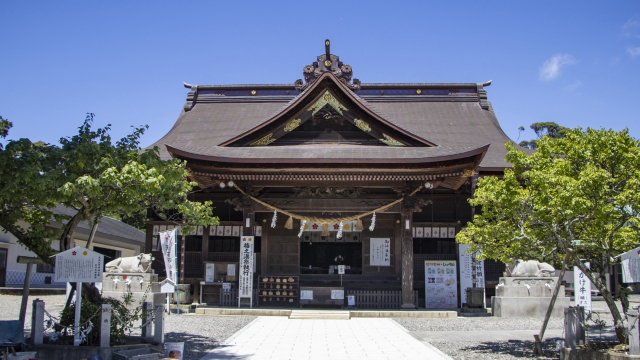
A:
449, 171
327, 92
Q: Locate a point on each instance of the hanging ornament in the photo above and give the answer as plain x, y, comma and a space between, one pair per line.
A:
325, 229
289, 223
373, 222
128, 282
359, 225
302, 222
339, 235
274, 219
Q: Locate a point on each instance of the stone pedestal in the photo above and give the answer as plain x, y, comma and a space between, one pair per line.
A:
527, 297
139, 282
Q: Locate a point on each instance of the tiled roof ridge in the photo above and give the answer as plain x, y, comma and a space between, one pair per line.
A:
376, 84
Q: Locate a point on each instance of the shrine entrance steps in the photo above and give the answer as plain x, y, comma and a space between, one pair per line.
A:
320, 315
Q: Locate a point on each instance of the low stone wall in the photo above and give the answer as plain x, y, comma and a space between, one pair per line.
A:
585, 354
65, 352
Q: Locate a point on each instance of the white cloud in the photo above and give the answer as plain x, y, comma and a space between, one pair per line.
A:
575, 85
633, 51
551, 68
632, 28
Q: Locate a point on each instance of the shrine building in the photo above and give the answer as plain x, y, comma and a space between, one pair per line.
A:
372, 176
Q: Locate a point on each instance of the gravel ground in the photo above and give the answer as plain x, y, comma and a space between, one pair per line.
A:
203, 333
200, 333
463, 346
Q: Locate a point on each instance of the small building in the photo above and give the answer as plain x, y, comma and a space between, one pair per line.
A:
113, 239
329, 147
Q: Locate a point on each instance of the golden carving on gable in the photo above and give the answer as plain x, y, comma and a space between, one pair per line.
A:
362, 125
390, 141
327, 98
266, 140
468, 173
291, 125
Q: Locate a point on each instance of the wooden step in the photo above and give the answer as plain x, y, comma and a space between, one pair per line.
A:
320, 315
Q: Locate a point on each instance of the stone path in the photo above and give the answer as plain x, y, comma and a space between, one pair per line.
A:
271, 337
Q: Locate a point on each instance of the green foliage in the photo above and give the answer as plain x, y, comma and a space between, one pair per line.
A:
93, 175
123, 320
584, 186
548, 128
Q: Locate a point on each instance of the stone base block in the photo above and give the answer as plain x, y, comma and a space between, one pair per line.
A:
527, 306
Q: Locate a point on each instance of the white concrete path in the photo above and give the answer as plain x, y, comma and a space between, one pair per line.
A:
271, 337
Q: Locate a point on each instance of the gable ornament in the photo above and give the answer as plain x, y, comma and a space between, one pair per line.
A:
390, 141
327, 98
362, 125
266, 140
292, 125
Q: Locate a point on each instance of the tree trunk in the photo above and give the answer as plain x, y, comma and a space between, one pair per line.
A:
69, 227
608, 298
94, 228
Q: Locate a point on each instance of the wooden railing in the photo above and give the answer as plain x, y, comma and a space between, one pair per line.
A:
379, 299
230, 297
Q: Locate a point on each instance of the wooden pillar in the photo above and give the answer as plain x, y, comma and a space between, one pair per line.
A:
263, 248
406, 223
148, 241
397, 245
205, 243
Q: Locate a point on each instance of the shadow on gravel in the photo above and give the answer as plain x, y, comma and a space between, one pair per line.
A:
195, 346
516, 348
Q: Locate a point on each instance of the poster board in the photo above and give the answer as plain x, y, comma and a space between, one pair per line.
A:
209, 272
380, 252
440, 283
471, 271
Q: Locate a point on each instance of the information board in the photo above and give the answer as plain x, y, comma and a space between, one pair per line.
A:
441, 291
79, 265
471, 271
631, 266
245, 284
380, 252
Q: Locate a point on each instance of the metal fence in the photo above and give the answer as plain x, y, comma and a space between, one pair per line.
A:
379, 299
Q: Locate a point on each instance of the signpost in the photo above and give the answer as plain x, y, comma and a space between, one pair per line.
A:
79, 265
169, 244
581, 288
245, 281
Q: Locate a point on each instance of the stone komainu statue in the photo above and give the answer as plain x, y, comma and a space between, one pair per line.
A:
530, 268
131, 264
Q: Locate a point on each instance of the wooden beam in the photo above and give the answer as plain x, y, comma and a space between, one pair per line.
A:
30, 260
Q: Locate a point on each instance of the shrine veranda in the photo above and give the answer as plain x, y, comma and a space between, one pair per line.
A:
330, 150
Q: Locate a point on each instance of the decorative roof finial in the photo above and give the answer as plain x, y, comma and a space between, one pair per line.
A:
327, 63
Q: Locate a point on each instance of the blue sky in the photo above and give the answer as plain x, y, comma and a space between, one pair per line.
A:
573, 62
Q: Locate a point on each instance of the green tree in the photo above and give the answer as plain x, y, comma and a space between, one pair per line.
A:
93, 176
548, 128
578, 195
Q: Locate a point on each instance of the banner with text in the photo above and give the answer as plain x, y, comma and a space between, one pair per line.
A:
471, 271
168, 243
245, 284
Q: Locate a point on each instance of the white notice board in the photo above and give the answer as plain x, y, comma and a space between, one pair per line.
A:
441, 291
380, 252
79, 265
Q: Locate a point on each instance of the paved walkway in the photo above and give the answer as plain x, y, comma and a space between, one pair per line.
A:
271, 337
